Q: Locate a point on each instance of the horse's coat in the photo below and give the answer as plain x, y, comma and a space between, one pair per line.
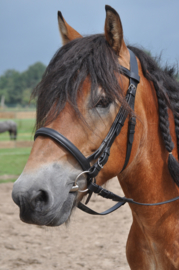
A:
80, 97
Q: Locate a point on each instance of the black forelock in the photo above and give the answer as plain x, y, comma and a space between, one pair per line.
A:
89, 56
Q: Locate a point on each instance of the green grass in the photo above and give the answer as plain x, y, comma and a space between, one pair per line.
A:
13, 160
18, 109
7, 181
25, 129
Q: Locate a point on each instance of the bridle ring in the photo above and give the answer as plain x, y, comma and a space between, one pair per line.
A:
75, 186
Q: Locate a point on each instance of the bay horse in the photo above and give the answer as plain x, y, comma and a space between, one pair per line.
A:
9, 126
86, 118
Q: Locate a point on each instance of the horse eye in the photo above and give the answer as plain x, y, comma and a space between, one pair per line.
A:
104, 102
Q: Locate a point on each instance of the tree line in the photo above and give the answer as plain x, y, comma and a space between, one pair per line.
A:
16, 87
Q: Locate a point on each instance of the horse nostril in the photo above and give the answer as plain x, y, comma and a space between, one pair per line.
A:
39, 199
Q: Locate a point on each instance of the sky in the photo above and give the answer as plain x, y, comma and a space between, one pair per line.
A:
29, 28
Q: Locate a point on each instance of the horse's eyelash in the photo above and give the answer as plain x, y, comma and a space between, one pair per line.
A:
99, 99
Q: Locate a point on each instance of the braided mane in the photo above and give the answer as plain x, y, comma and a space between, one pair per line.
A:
167, 90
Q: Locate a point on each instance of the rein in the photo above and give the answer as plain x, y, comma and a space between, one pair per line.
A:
103, 152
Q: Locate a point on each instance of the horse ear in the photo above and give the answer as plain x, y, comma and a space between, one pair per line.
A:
113, 29
66, 31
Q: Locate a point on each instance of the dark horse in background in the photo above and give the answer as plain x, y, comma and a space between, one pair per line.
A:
9, 126
79, 96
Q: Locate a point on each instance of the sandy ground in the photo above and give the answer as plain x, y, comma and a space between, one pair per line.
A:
88, 242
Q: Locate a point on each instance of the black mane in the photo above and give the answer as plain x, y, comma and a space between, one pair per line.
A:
93, 57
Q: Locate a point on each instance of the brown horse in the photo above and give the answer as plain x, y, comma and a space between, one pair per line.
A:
79, 96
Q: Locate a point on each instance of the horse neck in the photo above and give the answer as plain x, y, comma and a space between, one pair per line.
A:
147, 178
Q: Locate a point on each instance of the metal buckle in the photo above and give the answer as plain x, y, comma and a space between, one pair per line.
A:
132, 89
75, 186
132, 85
99, 164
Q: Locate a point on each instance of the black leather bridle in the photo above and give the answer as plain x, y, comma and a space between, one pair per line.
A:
103, 152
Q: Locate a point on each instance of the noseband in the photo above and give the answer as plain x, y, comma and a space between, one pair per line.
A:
103, 152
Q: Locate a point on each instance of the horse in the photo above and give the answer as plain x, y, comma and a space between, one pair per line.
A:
9, 126
96, 119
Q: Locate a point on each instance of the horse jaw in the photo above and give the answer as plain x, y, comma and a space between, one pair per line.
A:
43, 195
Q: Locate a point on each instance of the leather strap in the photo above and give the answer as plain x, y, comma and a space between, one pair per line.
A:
86, 209
131, 128
132, 122
113, 133
130, 74
58, 137
121, 200
131, 131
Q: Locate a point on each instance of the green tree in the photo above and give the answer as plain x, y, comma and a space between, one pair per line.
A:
17, 87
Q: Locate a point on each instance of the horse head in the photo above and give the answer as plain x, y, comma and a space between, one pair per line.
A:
80, 103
